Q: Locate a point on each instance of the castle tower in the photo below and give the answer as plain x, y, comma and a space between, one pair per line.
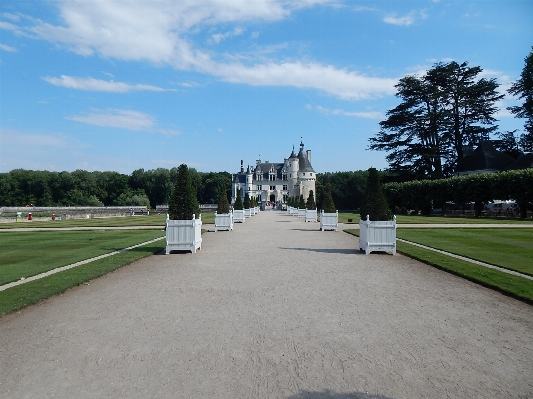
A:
306, 173
249, 181
292, 167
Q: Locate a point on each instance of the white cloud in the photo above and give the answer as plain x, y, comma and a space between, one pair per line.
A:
123, 119
162, 33
218, 37
92, 84
5, 47
10, 16
356, 114
407, 20
8, 26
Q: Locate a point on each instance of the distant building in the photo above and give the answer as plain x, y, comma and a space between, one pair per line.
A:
277, 182
487, 159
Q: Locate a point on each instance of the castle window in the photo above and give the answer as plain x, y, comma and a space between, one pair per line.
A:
285, 187
258, 188
272, 187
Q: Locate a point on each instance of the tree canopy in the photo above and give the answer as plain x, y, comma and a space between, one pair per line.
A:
441, 113
183, 203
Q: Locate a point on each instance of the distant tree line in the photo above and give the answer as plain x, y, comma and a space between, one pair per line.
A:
20, 187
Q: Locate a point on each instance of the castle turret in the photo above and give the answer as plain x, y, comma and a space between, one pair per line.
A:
306, 173
292, 178
249, 180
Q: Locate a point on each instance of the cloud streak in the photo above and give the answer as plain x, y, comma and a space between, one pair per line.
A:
91, 84
122, 119
356, 114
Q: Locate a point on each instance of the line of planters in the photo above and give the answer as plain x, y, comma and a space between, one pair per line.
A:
480, 189
184, 221
377, 227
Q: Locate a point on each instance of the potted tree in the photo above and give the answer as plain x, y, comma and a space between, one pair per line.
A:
329, 216
238, 211
294, 209
246, 204
223, 215
377, 227
184, 221
310, 212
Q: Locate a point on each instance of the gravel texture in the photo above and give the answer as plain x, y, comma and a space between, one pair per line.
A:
273, 309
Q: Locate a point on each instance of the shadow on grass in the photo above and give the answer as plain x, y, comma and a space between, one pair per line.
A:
327, 394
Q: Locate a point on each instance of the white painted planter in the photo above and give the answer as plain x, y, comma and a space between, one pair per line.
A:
247, 213
329, 221
238, 216
294, 211
301, 213
184, 235
289, 208
377, 235
310, 215
223, 221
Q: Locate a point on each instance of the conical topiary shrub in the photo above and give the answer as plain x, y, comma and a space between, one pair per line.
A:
311, 204
183, 203
375, 204
238, 206
246, 202
327, 205
301, 202
223, 203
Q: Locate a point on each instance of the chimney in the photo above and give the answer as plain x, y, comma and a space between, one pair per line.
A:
309, 155
257, 161
242, 167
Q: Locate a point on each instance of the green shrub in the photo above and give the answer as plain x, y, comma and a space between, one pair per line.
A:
311, 204
183, 203
375, 204
238, 206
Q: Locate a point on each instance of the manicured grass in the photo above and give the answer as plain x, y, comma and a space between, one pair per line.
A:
515, 286
404, 219
26, 254
157, 221
508, 248
29, 293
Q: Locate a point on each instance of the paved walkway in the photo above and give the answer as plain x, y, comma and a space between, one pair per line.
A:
274, 309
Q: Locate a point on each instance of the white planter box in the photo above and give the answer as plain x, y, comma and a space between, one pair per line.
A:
184, 235
377, 235
247, 213
289, 208
238, 216
301, 213
310, 215
329, 221
294, 211
223, 221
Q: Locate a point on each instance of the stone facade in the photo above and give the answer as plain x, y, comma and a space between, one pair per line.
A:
277, 182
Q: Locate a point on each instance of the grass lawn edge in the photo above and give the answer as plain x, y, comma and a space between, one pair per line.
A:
513, 286
21, 296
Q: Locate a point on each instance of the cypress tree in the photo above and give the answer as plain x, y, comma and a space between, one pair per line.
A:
311, 205
375, 204
327, 205
183, 203
223, 203
301, 203
238, 201
246, 201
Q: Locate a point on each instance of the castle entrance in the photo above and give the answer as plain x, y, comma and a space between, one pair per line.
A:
272, 197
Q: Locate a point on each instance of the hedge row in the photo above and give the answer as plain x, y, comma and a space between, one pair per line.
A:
477, 188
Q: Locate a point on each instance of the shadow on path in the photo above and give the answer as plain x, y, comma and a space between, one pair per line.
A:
327, 394
326, 250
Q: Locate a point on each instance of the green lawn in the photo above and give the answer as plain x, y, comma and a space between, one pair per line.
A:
26, 254
157, 221
23, 295
508, 248
519, 251
404, 219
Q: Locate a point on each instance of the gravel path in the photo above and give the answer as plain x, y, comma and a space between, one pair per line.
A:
274, 309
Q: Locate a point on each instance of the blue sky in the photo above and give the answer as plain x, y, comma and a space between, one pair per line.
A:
122, 85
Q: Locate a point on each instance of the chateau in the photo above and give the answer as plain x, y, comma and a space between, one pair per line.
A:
277, 182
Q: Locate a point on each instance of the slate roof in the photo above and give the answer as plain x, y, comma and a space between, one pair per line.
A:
484, 157
524, 161
304, 165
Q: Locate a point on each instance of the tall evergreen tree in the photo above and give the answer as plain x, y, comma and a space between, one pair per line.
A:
301, 202
523, 88
223, 203
238, 205
246, 202
440, 113
183, 203
327, 205
375, 204
311, 205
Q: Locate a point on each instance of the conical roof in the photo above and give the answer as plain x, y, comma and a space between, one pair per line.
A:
484, 157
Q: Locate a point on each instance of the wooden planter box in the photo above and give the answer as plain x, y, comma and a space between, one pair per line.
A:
247, 213
377, 235
223, 221
238, 216
310, 215
294, 211
184, 235
329, 221
301, 213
